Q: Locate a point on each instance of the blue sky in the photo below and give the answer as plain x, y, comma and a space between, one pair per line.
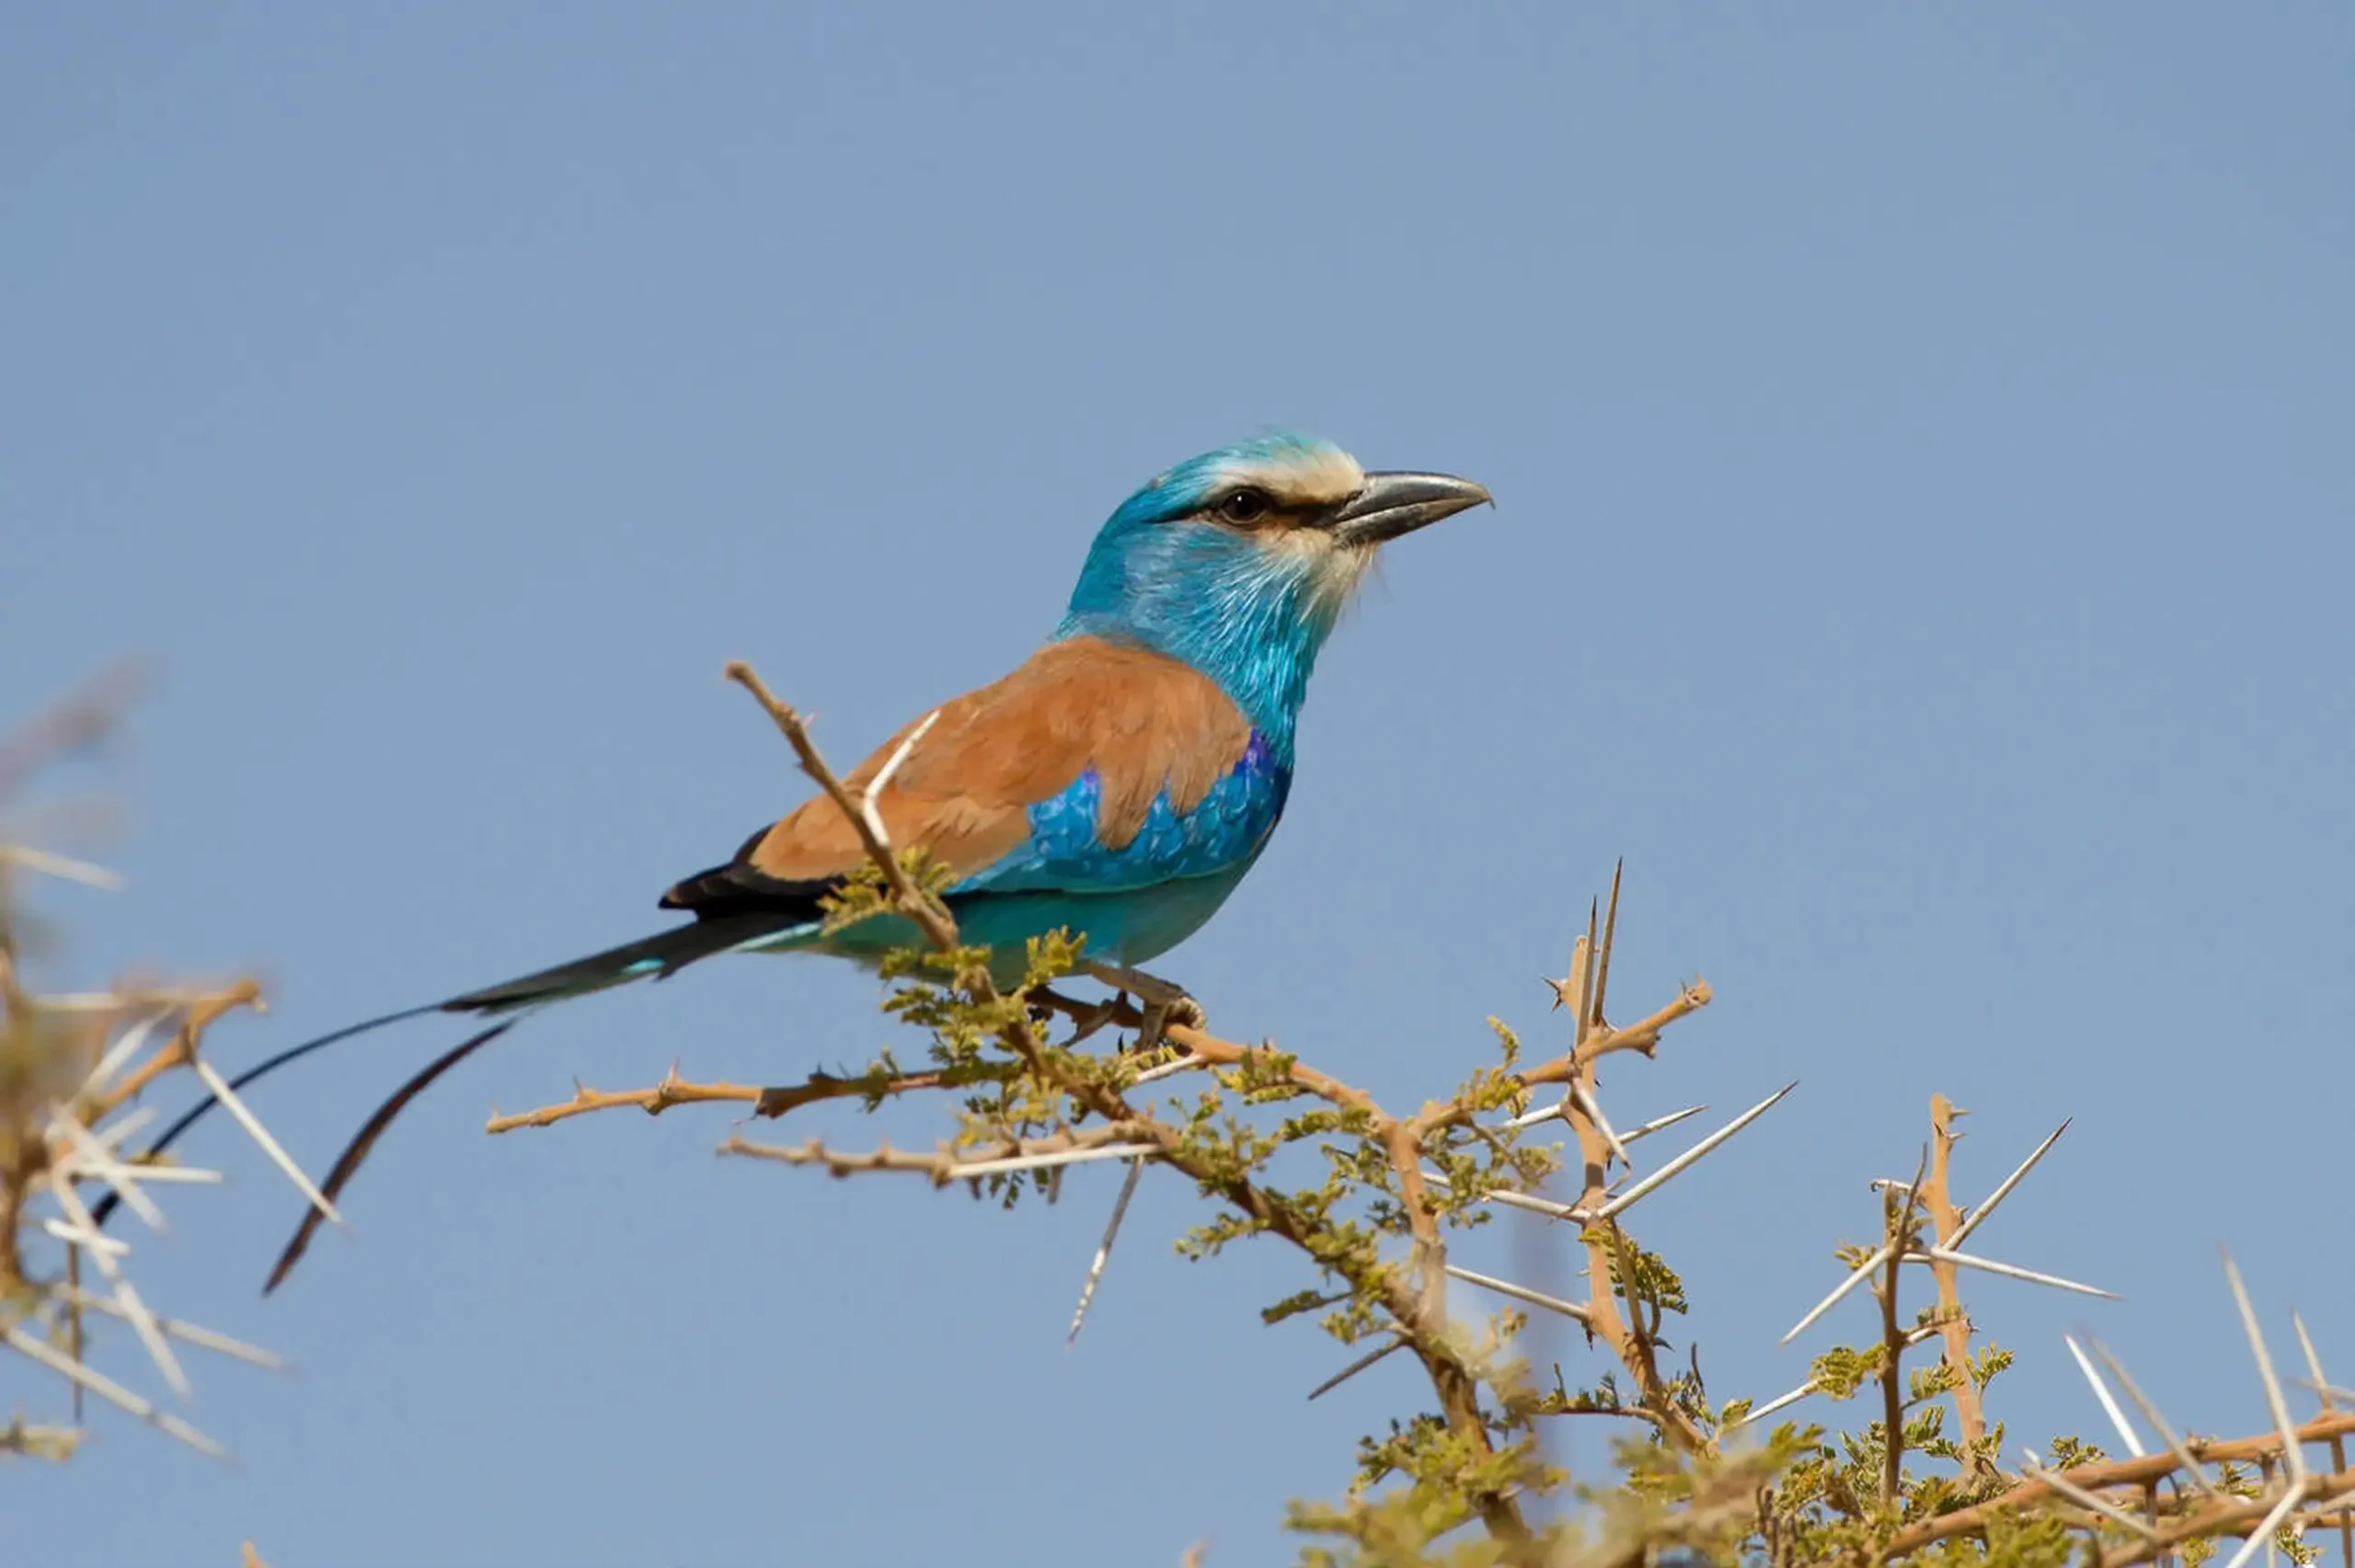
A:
1920, 438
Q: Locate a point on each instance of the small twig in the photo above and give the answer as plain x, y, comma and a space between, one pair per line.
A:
943, 1166
935, 920
767, 1102
1899, 1230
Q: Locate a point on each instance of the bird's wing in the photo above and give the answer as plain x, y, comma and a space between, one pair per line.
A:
1145, 725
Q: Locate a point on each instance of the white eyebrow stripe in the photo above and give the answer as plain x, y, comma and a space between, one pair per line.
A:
1314, 477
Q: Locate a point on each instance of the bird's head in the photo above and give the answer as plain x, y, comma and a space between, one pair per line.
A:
1239, 562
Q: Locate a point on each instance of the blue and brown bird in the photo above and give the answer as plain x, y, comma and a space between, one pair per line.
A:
1118, 784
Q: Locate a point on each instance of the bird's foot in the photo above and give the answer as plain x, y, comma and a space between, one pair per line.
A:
1161, 1003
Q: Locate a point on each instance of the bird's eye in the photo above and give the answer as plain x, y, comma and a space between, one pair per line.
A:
1244, 507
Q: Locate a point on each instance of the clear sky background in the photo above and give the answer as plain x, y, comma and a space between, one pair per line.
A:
1921, 444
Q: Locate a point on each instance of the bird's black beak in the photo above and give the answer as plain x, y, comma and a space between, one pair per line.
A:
1393, 504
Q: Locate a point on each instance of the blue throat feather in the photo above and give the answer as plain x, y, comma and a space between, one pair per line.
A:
1249, 617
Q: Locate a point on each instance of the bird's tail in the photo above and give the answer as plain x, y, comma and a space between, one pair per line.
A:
663, 954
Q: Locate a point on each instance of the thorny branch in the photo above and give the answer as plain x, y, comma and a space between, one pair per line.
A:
1080, 1107
1954, 1326
1413, 1299
1610, 1274
2137, 1473
71, 1067
1417, 1309
1899, 1229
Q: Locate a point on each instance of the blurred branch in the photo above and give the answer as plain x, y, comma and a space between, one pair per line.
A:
71, 1067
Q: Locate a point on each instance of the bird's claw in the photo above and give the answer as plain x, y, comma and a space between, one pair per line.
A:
1161, 1003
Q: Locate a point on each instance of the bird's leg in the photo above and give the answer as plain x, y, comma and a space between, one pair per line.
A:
1161, 1002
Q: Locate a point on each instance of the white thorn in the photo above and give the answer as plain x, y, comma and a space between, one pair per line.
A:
173, 1175
1046, 1161
188, 1333
2263, 1534
867, 797
127, 1045
1167, 1069
220, 1089
1778, 1403
2084, 1499
112, 1002
2008, 1270
1512, 1199
1104, 1250
1593, 1107
1548, 1113
107, 1389
91, 1155
1354, 1368
116, 1133
2158, 1422
143, 1321
2321, 1385
1545, 1205
80, 1236
1862, 1272
1971, 1221
2101, 1393
1650, 1183
1659, 1123
1519, 1293
2292, 1454
64, 867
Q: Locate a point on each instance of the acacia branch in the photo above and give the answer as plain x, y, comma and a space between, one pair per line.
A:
1609, 1252
937, 923
180, 1050
2232, 1516
949, 1163
1938, 1201
766, 1102
1455, 1383
1898, 1235
2114, 1473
